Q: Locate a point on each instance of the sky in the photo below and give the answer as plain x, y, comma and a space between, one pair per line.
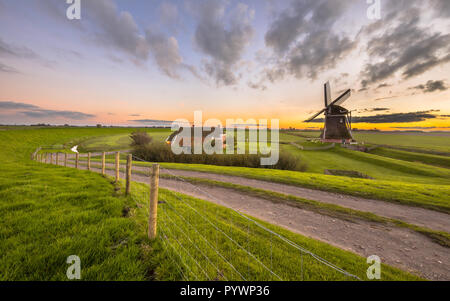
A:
136, 62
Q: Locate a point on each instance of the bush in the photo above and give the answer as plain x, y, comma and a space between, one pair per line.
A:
160, 152
140, 138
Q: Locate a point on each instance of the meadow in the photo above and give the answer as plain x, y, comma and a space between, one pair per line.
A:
50, 212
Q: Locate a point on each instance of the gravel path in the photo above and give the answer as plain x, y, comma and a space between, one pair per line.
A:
395, 246
414, 215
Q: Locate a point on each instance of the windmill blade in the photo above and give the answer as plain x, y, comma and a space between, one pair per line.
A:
340, 100
327, 91
314, 117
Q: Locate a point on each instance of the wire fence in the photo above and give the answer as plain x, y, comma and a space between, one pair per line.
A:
206, 241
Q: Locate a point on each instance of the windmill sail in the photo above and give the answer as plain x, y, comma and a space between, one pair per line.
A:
340, 100
314, 117
327, 94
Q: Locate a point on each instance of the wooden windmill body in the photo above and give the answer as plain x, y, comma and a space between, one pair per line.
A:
337, 127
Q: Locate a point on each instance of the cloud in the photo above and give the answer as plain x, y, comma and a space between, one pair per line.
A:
165, 50
34, 111
383, 85
432, 86
400, 44
21, 52
223, 43
16, 51
392, 118
117, 28
441, 7
41, 113
257, 86
373, 110
7, 69
303, 39
152, 121
11, 105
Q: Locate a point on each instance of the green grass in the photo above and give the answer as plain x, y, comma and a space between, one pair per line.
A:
118, 142
51, 212
413, 141
436, 160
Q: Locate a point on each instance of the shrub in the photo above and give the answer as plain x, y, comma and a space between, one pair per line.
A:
161, 152
140, 138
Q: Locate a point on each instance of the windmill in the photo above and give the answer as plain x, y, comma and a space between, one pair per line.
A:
338, 127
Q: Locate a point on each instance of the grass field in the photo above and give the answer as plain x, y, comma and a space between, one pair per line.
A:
50, 212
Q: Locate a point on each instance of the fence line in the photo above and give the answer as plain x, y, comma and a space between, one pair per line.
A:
169, 228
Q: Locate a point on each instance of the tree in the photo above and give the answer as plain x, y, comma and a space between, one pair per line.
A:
140, 138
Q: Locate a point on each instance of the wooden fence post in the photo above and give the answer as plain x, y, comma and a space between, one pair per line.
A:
128, 181
89, 162
154, 183
77, 156
117, 167
48, 158
103, 163
65, 159
57, 158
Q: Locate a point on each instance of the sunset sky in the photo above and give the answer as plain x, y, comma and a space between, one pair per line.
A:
128, 62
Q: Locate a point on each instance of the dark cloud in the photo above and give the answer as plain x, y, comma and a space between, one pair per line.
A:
415, 127
383, 85
166, 52
16, 51
34, 111
399, 43
152, 121
11, 105
41, 113
373, 110
223, 42
432, 86
257, 86
21, 52
303, 38
392, 118
441, 7
116, 28
7, 69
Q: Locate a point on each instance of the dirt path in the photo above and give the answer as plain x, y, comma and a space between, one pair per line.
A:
395, 246
414, 215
